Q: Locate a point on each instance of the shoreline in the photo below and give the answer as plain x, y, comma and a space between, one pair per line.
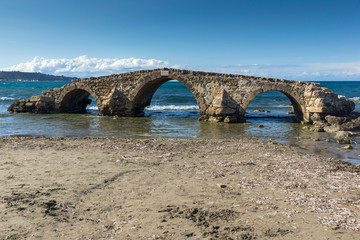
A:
108, 187
317, 145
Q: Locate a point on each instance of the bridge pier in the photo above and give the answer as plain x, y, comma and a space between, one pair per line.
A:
223, 108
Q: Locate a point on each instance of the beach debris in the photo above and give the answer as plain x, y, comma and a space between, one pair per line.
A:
348, 147
335, 227
50, 208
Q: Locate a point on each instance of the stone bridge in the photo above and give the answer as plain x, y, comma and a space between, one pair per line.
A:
221, 97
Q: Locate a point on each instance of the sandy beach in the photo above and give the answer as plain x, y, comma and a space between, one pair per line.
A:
113, 188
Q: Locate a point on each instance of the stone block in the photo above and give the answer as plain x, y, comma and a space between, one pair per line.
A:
225, 111
315, 109
230, 119
30, 104
35, 98
46, 99
40, 104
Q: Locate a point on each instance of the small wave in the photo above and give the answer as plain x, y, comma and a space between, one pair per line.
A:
173, 108
92, 107
284, 106
355, 99
7, 98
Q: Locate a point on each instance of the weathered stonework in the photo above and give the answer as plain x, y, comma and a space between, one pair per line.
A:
221, 97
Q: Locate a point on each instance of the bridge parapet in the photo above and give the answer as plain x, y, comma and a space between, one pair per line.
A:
221, 97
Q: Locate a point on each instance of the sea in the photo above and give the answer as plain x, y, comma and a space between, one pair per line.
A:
174, 114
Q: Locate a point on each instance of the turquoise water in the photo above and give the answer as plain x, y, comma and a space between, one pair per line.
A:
173, 113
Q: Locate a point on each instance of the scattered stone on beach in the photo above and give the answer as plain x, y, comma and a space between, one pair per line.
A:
331, 128
353, 125
316, 118
318, 127
335, 227
334, 124
336, 120
261, 126
343, 137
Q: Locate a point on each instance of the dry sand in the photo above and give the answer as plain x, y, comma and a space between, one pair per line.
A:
110, 188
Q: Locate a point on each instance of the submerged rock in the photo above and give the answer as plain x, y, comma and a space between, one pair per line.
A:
349, 123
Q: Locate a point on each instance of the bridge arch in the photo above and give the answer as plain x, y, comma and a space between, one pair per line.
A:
149, 84
296, 101
75, 98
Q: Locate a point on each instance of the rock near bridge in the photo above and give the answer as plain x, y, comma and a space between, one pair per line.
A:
221, 97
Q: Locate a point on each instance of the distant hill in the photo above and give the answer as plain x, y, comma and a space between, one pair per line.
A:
31, 76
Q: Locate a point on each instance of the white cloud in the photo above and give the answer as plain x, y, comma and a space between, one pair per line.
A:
84, 66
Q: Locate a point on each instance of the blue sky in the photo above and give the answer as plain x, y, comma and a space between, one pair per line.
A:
294, 39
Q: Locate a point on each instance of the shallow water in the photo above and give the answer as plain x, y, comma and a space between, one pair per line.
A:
174, 114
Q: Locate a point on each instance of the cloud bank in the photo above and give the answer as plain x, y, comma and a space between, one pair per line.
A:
84, 66
348, 71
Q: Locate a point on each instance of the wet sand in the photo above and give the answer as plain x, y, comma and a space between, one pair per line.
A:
113, 188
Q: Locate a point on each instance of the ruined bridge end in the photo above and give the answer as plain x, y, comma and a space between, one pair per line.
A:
51, 101
320, 102
307, 98
221, 97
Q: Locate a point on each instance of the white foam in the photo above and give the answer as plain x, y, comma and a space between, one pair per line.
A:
355, 99
172, 107
7, 98
284, 106
92, 107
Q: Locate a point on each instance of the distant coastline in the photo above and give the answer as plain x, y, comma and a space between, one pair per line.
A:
16, 76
